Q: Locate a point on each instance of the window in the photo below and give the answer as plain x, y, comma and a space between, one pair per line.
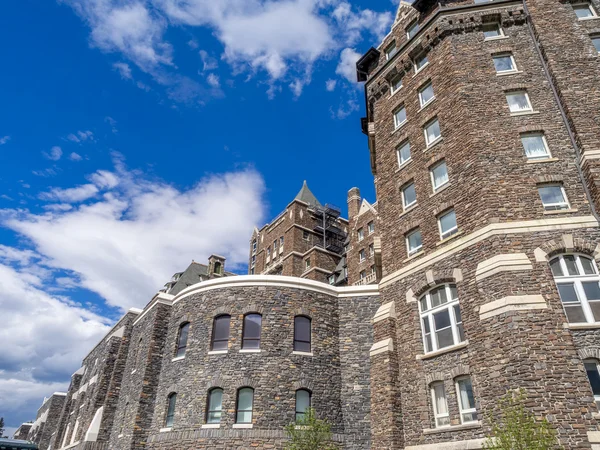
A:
420, 62
440, 404
426, 94
505, 63
218, 267
403, 153
396, 84
399, 117
577, 280
447, 223
412, 29
391, 50
373, 269
535, 145
440, 318
371, 250
409, 196
275, 246
253, 259
596, 42
584, 11
371, 227
254, 246
432, 132
220, 335
331, 279
268, 252
214, 405
170, 410
307, 264
492, 30
553, 197
361, 234
414, 242
303, 400
305, 235
252, 271
182, 338
466, 400
302, 334
362, 274
361, 255
518, 102
439, 175
251, 331
245, 399
591, 367
281, 244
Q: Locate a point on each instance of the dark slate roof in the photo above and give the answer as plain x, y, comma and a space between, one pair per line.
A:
195, 273
306, 196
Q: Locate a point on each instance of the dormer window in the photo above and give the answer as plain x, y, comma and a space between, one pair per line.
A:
218, 268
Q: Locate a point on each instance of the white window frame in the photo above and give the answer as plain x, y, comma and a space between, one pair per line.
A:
464, 411
399, 153
597, 363
576, 281
595, 37
451, 231
437, 415
545, 142
513, 63
590, 8
307, 264
361, 234
371, 227
520, 111
427, 125
500, 31
390, 50
331, 279
550, 206
395, 113
394, 82
417, 249
361, 255
435, 166
406, 206
421, 89
428, 315
414, 24
421, 57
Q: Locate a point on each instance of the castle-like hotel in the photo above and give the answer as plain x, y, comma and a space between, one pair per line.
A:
472, 274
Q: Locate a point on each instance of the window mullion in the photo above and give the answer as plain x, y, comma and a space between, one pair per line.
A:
587, 310
432, 333
455, 337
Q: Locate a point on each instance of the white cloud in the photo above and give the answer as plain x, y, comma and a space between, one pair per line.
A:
75, 157
330, 85
104, 179
81, 136
123, 69
213, 80
208, 62
70, 195
54, 154
112, 122
4, 140
347, 65
58, 207
45, 173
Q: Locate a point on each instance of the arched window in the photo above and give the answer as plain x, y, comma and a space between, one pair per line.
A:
593, 373
182, 338
220, 335
303, 402
214, 405
577, 280
251, 331
245, 398
441, 321
302, 334
170, 410
466, 399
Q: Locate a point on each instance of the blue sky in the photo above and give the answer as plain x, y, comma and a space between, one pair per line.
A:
137, 135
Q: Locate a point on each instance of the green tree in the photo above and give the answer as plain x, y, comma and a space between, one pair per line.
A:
309, 433
515, 428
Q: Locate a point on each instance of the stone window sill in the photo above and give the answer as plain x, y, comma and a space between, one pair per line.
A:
399, 127
243, 425
302, 353
508, 72
211, 425
463, 426
444, 350
409, 209
582, 326
440, 189
496, 38
523, 113
165, 430
178, 358
427, 104
395, 92
560, 211
421, 69
449, 238
403, 165
541, 160
250, 350
583, 19
415, 255
218, 352
434, 143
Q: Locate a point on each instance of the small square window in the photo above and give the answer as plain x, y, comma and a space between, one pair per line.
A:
409, 196
371, 227
553, 197
518, 102
447, 222
535, 146
399, 117
361, 234
403, 153
391, 50
596, 42
432, 132
505, 63
362, 255
420, 62
414, 243
439, 175
412, 29
492, 30
396, 84
584, 11
426, 94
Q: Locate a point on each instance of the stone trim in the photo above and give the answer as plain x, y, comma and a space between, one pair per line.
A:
433, 377
512, 303
493, 229
461, 427
214, 383
304, 383
452, 348
566, 244
594, 436
387, 311
454, 445
589, 353
387, 345
515, 262
432, 279
460, 371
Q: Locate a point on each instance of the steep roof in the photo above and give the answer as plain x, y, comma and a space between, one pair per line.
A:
195, 273
306, 196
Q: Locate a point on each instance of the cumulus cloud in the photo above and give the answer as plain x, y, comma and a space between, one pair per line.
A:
54, 154
123, 69
330, 85
70, 195
213, 80
81, 136
75, 157
4, 140
347, 65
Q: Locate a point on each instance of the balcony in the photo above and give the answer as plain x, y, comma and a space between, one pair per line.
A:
369, 279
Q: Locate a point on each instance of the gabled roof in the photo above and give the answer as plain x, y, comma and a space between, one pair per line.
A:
306, 196
195, 273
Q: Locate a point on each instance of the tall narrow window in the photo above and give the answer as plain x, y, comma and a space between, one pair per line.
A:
441, 318
591, 367
409, 196
447, 224
245, 398
466, 400
302, 334
171, 400
303, 399
432, 132
505, 63
399, 117
440, 405
578, 284
251, 332
426, 94
360, 234
214, 405
254, 246
220, 335
439, 175
518, 102
553, 197
361, 255
492, 31
403, 153
412, 29
182, 339
371, 227
535, 146
414, 243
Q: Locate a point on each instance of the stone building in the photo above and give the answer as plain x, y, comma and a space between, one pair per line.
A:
22, 432
474, 272
43, 428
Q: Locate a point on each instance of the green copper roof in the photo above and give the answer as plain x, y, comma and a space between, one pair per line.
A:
306, 196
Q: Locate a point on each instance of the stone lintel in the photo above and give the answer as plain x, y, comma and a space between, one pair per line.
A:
512, 303
513, 262
455, 445
387, 311
384, 346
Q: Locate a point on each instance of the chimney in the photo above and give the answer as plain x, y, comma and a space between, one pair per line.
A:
353, 202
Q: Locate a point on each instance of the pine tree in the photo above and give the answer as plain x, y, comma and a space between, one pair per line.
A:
309, 433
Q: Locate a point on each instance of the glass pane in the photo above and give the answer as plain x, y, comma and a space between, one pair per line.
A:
583, 11
503, 63
551, 195
410, 195
453, 292
214, 417
183, 337
457, 314
517, 102
245, 399
575, 314
302, 328
441, 319
592, 290
469, 417
426, 94
440, 175
465, 388
412, 30
421, 62
596, 42
414, 241
588, 265
400, 116
423, 302
461, 332
556, 267
252, 323
571, 265
302, 401
491, 30
448, 222
595, 307
567, 293
592, 372
433, 131
244, 417
404, 153
428, 344
534, 146
216, 400
444, 338
302, 346
438, 296
221, 331
396, 83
